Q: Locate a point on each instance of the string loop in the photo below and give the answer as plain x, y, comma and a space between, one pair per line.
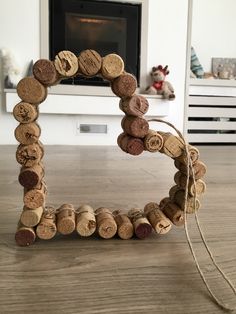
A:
224, 306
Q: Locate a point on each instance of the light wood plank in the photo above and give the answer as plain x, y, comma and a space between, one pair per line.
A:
91, 276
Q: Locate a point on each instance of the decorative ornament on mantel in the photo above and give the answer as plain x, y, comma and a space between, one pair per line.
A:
39, 221
11, 69
159, 85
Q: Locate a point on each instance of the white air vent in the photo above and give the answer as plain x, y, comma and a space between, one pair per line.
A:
93, 128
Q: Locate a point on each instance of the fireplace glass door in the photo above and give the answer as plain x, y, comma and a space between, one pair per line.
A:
104, 26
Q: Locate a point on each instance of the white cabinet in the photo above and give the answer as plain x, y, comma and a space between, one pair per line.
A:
211, 111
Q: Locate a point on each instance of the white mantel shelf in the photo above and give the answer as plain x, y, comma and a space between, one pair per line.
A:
88, 105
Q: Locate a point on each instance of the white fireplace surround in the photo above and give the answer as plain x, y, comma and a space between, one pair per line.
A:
164, 41
95, 90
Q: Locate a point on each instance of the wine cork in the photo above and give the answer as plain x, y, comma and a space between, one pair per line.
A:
24, 236
35, 197
31, 217
29, 155
150, 206
135, 126
160, 223
130, 144
30, 177
180, 178
142, 227
66, 219
90, 62
27, 133
112, 66
119, 141
173, 146
45, 72
193, 204
106, 225
174, 213
153, 141
31, 90
193, 153
173, 190
24, 112
198, 188
125, 228
85, 221
47, 229
124, 85
199, 169
163, 202
66, 63
136, 105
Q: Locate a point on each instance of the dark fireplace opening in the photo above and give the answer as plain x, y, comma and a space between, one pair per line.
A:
104, 26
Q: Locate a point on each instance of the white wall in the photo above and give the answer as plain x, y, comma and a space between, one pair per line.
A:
19, 32
167, 45
213, 30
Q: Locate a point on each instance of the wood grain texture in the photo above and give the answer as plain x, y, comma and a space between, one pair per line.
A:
69, 274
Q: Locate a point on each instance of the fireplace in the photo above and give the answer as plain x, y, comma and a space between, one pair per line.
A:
105, 26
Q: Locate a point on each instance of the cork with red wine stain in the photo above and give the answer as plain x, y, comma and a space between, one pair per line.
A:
142, 227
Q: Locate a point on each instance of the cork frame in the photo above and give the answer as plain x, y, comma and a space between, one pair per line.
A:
39, 221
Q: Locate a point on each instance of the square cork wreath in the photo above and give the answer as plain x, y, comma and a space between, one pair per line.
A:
37, 220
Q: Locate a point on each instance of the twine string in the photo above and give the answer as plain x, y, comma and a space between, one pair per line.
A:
190, 168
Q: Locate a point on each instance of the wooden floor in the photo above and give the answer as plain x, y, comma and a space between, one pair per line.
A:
156, 275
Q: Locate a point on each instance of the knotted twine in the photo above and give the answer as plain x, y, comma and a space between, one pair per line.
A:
199, 269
